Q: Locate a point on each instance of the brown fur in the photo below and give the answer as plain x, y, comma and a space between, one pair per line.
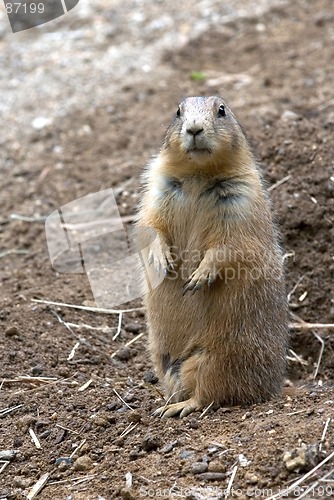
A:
218, 321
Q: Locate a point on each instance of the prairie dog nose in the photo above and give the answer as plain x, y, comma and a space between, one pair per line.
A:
195, 129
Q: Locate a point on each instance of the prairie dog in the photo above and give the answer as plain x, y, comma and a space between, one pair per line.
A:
217, 322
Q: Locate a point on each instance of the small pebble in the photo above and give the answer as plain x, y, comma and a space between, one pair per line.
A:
67, 460
150, 442
134, 417
24, 422
12, 331
199, 467
169, 447
4, 314
246, 415
45, 434
100, 422
83, 463
22, 482
212, 450
301, 459
322, 18
133, 327
127, 495
124, 409
216, 467
111, 419
133, 455
17, 442
7, 455
187, 454
113, 405
123, 354
150, 378
193, 423
288, 115
212, 476
41, 122
37, 370
251, 478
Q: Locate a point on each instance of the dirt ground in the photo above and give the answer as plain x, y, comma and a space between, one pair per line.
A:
104, 115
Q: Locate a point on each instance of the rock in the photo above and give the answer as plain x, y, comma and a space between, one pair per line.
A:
133, 327
243, 461
133, 455
301, 459
83, 463
288, 116
24, 422
150, 378
22, 482
251, 478
37, 370
193, 423
4, 314
199, 468
12, 331
113, 405
187, 454
111, 419
246, 415
45, 434
212, 450
322, 18
60, 435
124, 353
64, 463
212, 476
215, 466
129, 397
127, 495
100, 422
150, 442
17, 442
7, 455
134, 417
168, 447
41, 122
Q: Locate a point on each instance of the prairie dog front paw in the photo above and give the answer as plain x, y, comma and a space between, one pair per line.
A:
198, 279
160, 256
206, 273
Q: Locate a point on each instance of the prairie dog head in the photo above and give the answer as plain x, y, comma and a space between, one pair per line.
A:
205, 132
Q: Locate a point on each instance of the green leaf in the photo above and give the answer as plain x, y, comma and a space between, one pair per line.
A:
198, 76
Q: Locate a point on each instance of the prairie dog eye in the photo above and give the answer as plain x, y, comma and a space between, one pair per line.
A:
178, 112
221, 110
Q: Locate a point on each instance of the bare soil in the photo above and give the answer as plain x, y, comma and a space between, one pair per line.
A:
276, 70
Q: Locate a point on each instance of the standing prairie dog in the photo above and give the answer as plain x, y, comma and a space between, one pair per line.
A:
218, 321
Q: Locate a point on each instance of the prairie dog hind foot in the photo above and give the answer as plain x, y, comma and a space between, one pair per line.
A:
183, 408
